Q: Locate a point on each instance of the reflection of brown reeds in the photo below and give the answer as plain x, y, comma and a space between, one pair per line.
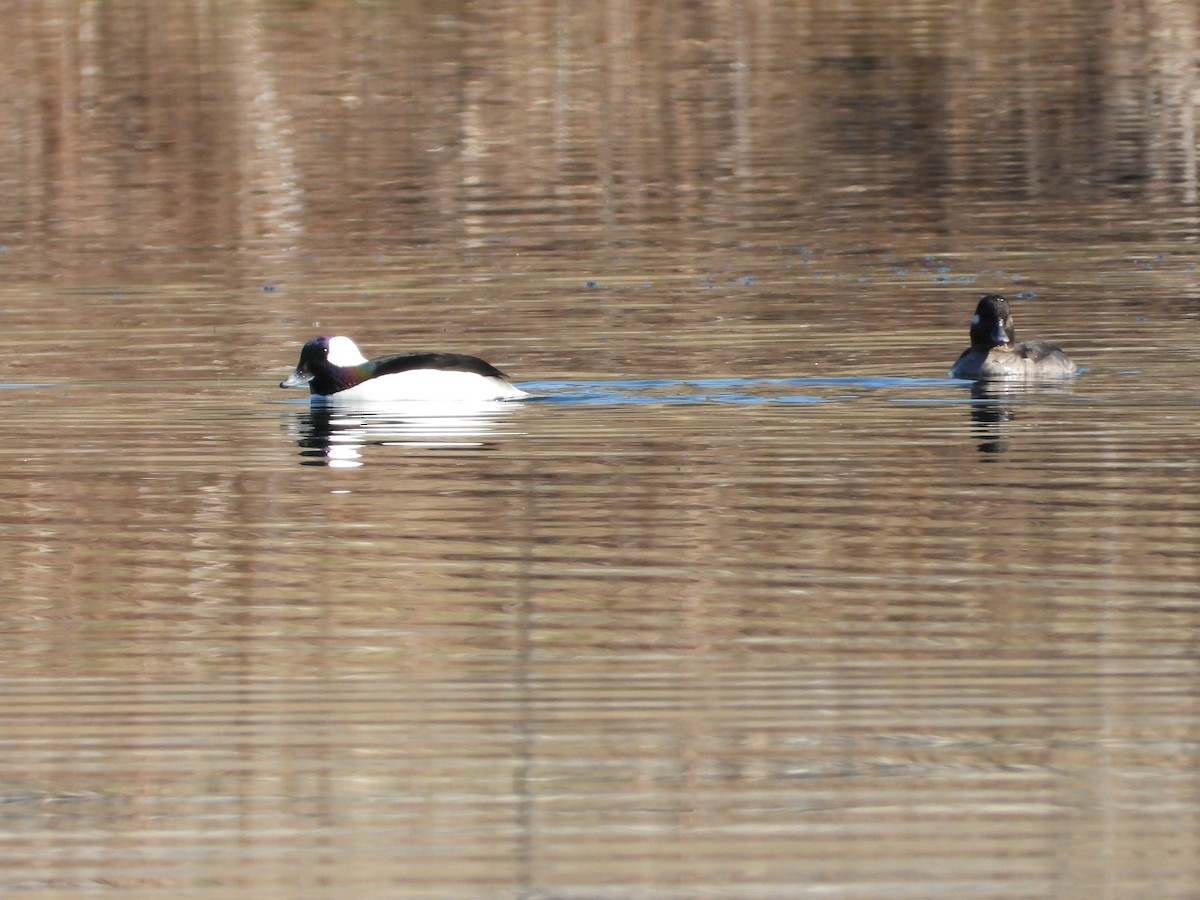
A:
358, 128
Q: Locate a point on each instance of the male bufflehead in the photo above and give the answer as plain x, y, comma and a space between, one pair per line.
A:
333, 370
996, 355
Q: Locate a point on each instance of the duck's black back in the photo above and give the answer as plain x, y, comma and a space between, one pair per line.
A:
452, 362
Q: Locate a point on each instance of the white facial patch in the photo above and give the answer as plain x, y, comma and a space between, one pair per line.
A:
344, 352
975, 319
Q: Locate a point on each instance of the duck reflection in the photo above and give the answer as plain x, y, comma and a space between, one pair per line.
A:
990, 411
993, 406
331, 436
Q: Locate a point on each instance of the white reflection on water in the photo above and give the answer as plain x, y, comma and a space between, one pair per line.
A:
336, 437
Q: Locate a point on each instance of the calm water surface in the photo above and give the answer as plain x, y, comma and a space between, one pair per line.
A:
751, 601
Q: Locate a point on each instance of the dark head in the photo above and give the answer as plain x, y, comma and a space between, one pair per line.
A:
992, 324
320, 359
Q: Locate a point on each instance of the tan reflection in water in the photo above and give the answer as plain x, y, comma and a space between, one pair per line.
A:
276, 128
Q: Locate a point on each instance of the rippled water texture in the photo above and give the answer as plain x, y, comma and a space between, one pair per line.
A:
750, 601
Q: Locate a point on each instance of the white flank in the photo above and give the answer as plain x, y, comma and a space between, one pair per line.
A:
424, 384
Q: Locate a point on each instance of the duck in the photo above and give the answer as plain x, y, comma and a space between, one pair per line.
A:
995, 353
334, 371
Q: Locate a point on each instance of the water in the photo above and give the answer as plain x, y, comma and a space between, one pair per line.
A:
751, 601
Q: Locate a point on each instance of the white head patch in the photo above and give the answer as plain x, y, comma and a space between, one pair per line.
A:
343, 352
975, 319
